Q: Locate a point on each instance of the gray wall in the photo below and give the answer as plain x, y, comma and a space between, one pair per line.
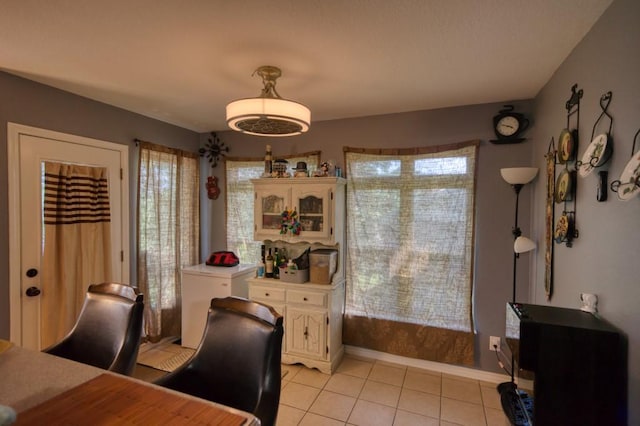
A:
495, 198
33, 104
604, 259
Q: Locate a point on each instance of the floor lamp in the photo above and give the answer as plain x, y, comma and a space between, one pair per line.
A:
517, 177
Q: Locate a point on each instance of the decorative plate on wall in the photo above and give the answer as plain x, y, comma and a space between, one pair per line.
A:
566, 146
564, 186
564, 228
597, 154
629, 179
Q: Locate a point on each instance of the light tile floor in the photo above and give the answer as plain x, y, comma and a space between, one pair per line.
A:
368, 392
376, 393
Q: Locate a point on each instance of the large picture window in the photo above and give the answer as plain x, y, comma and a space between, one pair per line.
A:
410, 235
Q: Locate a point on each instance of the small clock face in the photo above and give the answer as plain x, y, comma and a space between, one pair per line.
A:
507, 126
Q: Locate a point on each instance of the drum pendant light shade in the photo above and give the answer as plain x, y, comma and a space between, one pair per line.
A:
268, 114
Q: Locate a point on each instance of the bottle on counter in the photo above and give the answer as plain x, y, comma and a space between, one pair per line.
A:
291, 266
268, 265
282, 263
268, 157
276, 263
260, 270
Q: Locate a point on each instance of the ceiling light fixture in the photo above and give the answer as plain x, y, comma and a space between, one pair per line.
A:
269, 114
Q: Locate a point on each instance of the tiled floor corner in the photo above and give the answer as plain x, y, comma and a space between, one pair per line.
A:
375, 393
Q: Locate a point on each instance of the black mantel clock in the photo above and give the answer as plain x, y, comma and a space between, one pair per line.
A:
509, 125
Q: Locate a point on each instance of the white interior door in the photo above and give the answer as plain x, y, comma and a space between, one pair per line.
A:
28, 149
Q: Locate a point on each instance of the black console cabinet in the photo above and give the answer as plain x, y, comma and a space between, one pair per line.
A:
579, 363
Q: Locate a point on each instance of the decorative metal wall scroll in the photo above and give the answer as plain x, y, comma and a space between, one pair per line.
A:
565, 184
548, 255
213, 150
599, 150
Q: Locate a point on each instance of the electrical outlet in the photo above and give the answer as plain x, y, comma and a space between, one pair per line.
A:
494, 342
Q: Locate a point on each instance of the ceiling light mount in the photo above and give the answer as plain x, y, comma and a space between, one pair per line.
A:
269, 114
269, 76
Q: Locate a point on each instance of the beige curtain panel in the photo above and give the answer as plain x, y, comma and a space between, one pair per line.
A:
77, 225
168, 232
410, 233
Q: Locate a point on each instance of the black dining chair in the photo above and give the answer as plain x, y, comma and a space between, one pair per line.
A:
108, 330
237, 362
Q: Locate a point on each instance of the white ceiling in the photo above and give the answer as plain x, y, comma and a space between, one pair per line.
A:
182, 61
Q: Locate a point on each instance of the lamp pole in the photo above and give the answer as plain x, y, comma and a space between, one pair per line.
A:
516, 233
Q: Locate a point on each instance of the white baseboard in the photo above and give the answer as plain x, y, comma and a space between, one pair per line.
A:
457, 370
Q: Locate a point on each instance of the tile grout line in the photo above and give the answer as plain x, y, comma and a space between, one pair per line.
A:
357, 398
368, 379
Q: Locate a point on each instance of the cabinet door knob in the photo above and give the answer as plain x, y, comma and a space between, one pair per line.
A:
305, 299
266, 294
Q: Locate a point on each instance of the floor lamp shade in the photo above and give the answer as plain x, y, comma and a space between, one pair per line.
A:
518, 175
523, 245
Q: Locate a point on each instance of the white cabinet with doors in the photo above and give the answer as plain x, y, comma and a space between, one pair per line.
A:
312, 320
319, 203
306, 336
312, 312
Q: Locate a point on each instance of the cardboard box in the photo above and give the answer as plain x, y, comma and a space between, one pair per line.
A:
297, 276
323, 264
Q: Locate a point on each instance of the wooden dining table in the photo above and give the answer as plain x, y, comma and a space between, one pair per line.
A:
45, 389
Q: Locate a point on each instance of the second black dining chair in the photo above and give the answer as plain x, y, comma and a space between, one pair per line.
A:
237, 362
108, 330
